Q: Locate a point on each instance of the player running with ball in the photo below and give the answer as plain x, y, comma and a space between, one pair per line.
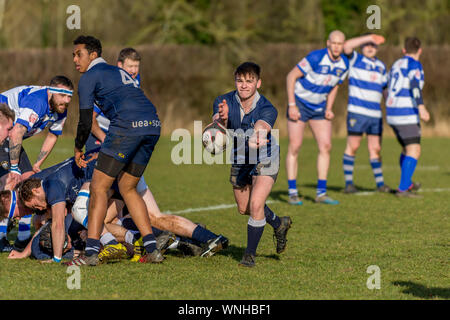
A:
255, 156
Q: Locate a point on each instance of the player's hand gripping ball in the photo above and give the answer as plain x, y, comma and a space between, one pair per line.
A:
215, 138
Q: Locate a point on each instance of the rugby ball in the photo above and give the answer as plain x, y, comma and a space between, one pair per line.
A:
215, 138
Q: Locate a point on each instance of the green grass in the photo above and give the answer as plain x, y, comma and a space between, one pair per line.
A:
329, 247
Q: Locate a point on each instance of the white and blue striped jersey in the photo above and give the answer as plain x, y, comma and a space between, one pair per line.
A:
321, 75
401, 106
32, 110
102, 120
366, 80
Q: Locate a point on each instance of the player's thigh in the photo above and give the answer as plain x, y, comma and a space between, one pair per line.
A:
296, 131
321, 130
101, 182
139, 161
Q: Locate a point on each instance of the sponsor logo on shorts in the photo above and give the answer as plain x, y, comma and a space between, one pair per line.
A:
146, 123
352, 122
121, 155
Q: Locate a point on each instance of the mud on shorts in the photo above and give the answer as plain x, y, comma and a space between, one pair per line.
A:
242, 174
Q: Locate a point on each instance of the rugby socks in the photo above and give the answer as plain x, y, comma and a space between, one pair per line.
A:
271, 217
293, 187
408, 168
3, 228
92, 247
377, 171
348, 163
255, 229
149, 243
108, 239
203, 235
402, 158
24, 228
321, 188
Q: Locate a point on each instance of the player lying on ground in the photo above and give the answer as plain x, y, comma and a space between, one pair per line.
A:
255, 156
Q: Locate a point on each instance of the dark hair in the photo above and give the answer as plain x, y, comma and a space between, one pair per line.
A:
45, 238
92, 44
26, 187
248, 68
7, 112
128, 53
61, 80
5, 197
412, 44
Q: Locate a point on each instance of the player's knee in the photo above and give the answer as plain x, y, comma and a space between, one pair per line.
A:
80, 208
294, 148
256, 207
325, 147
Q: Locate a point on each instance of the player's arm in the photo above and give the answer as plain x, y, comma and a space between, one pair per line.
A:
96, 130
418, 98
221, 110
58, 230
259, 136
86, 88
291, 78
353, 43
26, 252
47, 147
15, 146
329, 114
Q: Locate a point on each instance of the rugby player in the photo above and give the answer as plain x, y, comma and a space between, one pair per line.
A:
35, 108
404, 110
255, 156
133, 133
367, 79
312, 86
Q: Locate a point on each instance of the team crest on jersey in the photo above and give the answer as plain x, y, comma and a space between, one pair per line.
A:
5, 165
339, 72
352, 122
325, 69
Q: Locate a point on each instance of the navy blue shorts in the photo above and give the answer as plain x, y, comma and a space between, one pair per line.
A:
306, 113
126, 149
358, 124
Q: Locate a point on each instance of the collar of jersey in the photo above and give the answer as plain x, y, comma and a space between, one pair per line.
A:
95, 62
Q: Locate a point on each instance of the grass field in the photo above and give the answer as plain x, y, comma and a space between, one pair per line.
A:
329, 247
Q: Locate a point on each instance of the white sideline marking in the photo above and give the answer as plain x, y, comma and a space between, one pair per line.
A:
210, 208
370, 193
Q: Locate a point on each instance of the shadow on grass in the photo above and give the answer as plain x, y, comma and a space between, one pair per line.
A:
421, 291
237, 252
282, 196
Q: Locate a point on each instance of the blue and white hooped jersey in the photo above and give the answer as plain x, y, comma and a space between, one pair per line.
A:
32, 110
102, 120
401, 107
321, 75
242, 128
366, 80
